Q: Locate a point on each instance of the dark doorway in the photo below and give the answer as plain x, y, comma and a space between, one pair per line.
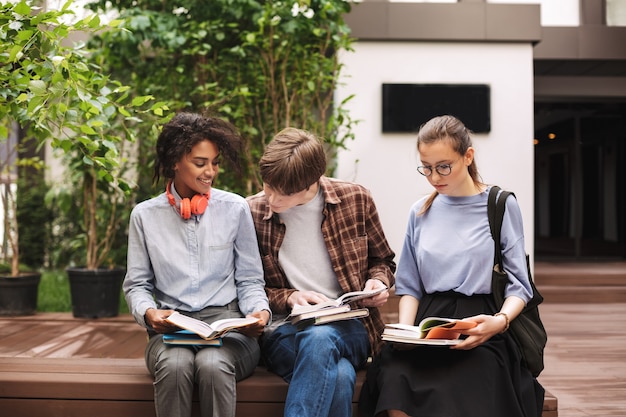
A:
580, 180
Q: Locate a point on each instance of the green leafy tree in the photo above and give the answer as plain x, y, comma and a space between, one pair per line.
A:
50, 87
264, 65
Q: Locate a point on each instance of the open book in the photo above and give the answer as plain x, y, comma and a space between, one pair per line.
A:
214, 330
331, 310
342, 301
328, 315
187, 338
430, 331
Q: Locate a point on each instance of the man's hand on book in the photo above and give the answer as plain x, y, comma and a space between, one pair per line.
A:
305, 297
379, 299
156, 319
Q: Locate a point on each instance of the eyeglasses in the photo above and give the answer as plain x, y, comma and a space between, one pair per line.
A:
442, 169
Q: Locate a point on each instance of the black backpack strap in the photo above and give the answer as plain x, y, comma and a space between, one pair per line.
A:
491, 208
496, 205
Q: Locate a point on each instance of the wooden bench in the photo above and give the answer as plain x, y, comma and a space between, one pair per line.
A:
79, 387
56, 366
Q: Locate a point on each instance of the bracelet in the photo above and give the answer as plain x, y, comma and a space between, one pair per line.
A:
506, 317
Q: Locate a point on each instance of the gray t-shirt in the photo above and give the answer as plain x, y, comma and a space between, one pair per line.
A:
303, 254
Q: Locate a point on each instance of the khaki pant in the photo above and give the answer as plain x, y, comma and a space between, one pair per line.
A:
214, 370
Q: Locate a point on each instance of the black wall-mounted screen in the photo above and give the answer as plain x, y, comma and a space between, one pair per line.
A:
407, 106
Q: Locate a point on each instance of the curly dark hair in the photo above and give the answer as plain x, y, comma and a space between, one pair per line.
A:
184, 131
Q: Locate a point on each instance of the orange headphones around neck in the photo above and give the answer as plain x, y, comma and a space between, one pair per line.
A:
197, 204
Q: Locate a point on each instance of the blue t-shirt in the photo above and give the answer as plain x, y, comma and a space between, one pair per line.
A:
450, 248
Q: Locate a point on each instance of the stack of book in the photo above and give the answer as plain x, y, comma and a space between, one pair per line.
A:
332, 310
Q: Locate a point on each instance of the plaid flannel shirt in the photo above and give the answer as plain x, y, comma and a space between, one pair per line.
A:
355, 240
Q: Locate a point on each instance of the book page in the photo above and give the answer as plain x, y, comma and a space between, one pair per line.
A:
318, 313
215, 329
457, 324
346, 298
427, 342
191, 324
237, 322
430, 328
350, 314
414, 330
353, 296
301, 309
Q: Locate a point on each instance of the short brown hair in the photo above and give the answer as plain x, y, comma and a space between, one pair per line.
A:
292, 161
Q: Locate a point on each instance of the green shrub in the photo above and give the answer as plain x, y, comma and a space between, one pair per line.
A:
264, 65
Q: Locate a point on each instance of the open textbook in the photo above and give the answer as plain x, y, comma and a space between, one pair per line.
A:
214, 330
342, 301
331, 310
430, 331
328, 315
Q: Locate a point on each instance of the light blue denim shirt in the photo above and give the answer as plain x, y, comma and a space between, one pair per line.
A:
209, 260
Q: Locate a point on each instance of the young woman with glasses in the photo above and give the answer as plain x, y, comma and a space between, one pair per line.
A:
445, 271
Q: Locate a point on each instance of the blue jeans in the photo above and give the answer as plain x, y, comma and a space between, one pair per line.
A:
319, 364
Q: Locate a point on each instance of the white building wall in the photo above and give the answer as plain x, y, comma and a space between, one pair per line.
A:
386, 163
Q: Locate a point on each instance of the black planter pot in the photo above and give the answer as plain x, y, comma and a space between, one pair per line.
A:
95, 292
18, 295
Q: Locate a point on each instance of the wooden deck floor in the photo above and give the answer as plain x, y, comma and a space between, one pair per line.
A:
585, 357
583, 313
59, 335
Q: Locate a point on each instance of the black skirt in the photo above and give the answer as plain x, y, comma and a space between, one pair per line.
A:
435, 381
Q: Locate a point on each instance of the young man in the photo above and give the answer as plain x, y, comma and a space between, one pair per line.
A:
319, 238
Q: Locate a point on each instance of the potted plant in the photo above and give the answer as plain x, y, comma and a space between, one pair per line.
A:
95, 277
51, 88
18, 284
